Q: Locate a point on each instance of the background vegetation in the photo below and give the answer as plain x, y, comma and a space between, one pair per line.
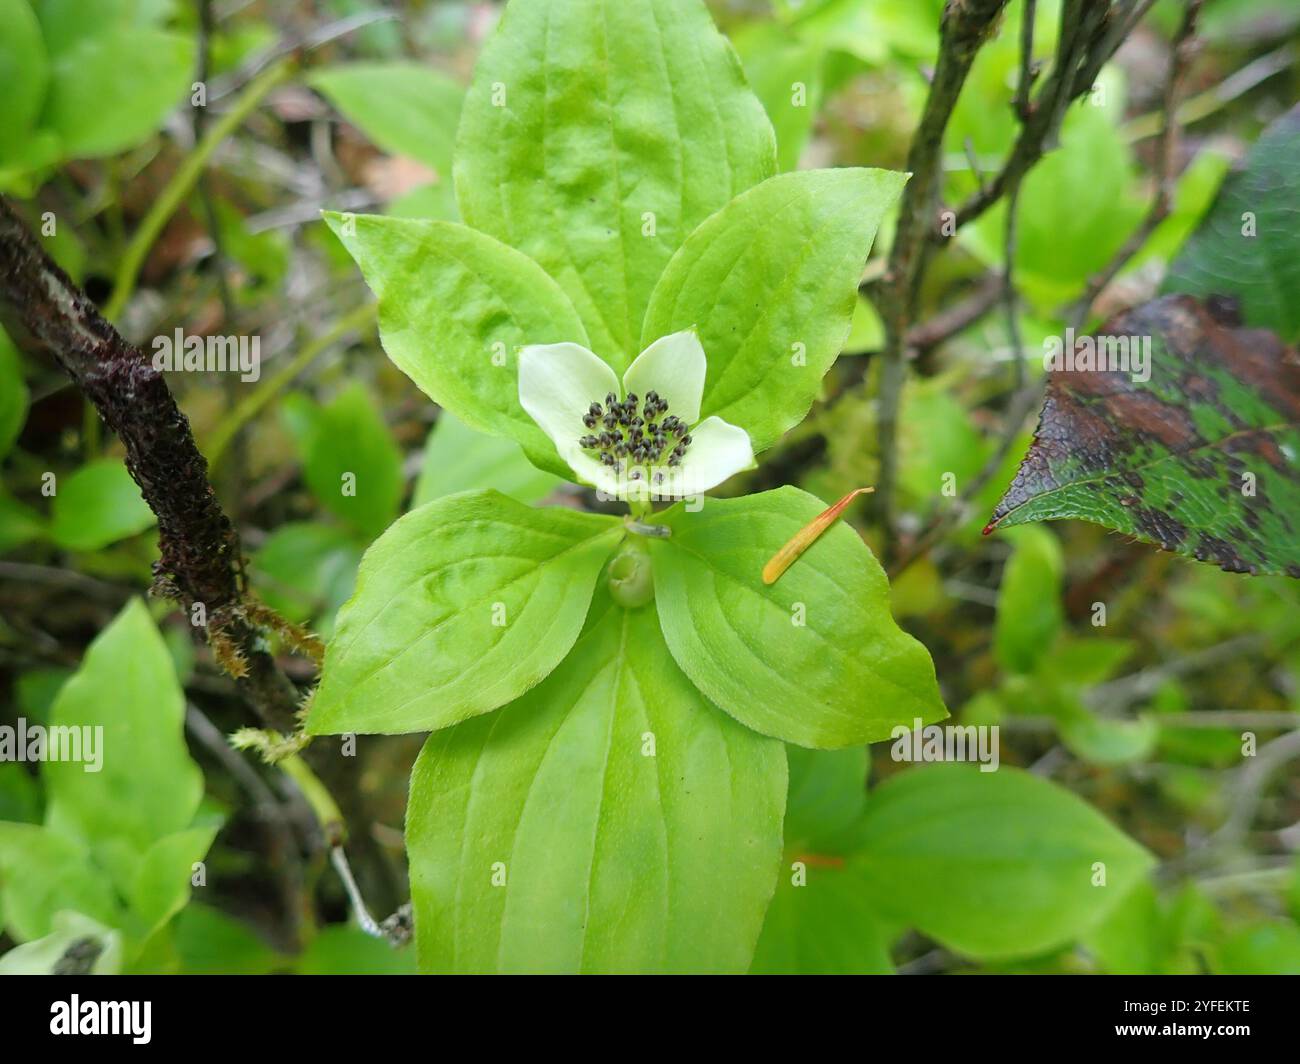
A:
169, 214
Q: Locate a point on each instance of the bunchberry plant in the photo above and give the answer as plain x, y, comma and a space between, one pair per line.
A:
644, 305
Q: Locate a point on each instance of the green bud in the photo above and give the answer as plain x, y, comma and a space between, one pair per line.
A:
630, 576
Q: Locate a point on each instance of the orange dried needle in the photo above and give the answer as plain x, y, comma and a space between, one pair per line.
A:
806, 537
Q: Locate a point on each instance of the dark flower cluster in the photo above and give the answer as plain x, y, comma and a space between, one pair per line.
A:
635, 433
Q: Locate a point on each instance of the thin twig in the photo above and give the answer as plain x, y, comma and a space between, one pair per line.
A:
253, 404
201, 563
182, 183
1165, 166
962, 32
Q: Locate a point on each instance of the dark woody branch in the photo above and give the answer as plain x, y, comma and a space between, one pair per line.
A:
201, 562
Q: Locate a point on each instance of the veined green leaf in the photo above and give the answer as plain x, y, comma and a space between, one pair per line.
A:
455, 306
610, 820
993, 865
815, 658
1193, 448
146, 786
461, 606
770, 282
597, 134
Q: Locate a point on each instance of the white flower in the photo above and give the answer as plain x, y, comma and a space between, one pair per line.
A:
641, 437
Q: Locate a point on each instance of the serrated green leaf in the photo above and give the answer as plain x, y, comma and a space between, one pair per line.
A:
611, 855
461, 606
98, 505
1248, 246
814, 659
1200, 458
770, 282
456, 458
406, 108
455, 306
350, 460
993, 865
597, 134
146, 786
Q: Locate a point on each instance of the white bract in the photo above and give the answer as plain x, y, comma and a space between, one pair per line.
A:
640, 437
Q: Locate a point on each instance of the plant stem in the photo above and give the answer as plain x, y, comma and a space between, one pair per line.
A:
183, 181
253, 404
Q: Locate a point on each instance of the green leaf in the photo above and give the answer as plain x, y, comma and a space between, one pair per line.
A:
98, 505
305, 570
20, 798
771, 282
343, 950
1104, 741
1198, 459
45, 955
211, 943
786, 74
828, 795
1030, 613
109, 91
162, 882
814, 659
993, 865
461, 606
19, 523
612, 855
146, 786
597, 134
822, 920
1248, 246
823, 927
351, 463
455, 306
456, 458
42, 873
406, 108
1266, 948
25, 73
